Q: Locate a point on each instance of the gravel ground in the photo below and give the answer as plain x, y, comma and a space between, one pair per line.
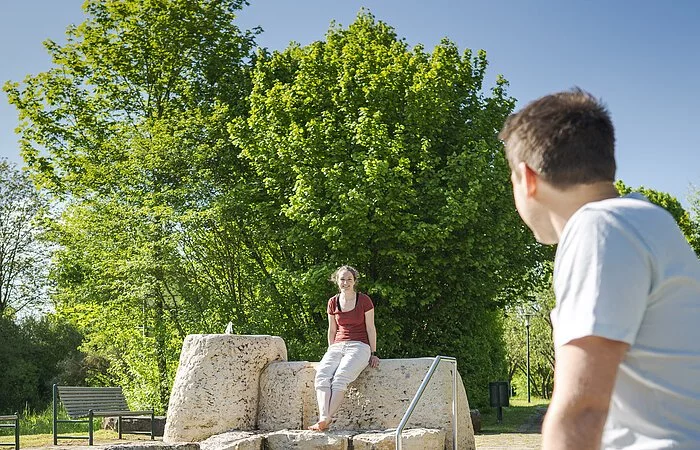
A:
508, 441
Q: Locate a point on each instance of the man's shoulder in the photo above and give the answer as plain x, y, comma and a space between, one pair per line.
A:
629, 204
633, 211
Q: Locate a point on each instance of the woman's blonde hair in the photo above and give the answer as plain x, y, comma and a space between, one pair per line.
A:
352, 270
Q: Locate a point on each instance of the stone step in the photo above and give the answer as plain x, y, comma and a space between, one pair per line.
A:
412, 439
141, 445
307, 440
234, 440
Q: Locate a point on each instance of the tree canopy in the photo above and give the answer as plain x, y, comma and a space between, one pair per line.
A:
370, 153
197, 182
37, 352
23, 254
128, 133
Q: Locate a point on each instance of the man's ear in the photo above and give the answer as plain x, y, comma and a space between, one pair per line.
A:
530, 178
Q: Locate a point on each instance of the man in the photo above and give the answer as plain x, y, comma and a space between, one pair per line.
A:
627, 317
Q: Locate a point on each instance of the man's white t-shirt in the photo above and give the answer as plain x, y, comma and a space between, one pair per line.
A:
624, 271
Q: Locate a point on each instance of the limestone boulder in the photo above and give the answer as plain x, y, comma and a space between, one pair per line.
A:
378, 399
234, 440
412, 439
307, 440
216, 384
287, 396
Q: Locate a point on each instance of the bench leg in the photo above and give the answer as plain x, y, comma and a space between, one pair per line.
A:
16, 431
55, 413
91, 416
152, 425
119, 426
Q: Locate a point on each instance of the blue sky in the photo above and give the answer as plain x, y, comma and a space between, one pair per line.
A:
642, 57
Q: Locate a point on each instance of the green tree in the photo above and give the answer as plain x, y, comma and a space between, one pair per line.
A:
23, 256
128, 133
36, 352
370, 153
694, 199
535, 312
183, 202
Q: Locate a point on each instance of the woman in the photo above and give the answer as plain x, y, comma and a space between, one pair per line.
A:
352, 345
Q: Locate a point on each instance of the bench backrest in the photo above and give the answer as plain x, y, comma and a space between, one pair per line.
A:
79, 400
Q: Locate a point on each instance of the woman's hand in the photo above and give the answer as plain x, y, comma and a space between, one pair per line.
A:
374, 361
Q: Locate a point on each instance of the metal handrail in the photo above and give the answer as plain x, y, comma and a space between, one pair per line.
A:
419, 393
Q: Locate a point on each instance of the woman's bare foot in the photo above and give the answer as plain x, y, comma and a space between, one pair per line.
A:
321, 425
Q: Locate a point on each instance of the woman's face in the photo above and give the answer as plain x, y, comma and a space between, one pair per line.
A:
346, 280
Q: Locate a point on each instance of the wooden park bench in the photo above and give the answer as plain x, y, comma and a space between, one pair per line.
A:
82, 404
14, 418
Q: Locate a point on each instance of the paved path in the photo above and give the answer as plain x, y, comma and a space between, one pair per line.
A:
509, 441
501, 441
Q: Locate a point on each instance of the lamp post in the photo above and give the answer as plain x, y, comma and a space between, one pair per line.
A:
527, 331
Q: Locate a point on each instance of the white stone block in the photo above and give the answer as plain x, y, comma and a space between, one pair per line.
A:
233, 440
216, 384
377, 400
412, 439
307, 440
287, 396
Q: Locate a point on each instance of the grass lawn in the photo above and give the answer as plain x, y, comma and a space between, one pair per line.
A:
518, 431
515, 416
36, 430
46, 440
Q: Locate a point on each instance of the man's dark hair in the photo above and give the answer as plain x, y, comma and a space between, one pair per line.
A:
567, 138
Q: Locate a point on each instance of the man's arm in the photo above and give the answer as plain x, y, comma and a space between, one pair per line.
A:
584, 377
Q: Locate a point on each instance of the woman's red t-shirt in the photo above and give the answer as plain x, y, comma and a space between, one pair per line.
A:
351, 324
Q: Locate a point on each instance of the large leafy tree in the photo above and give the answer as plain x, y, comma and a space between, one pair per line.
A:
127, 132
355, 150
531, 318
36, 352
23, 255
370, 153
694, 213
